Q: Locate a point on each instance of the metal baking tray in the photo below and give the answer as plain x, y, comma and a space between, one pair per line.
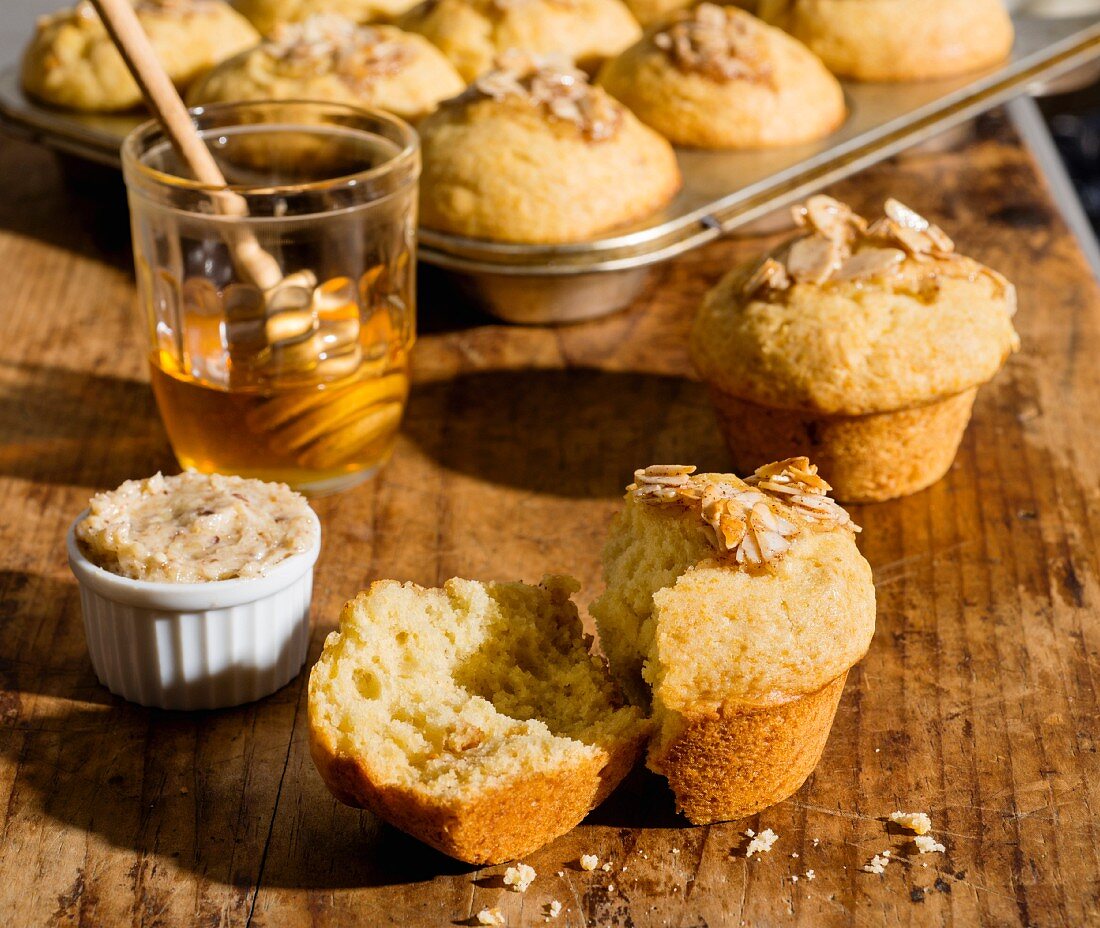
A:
723, 191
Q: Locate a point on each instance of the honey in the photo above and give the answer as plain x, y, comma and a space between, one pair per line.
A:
316, 437
294, 386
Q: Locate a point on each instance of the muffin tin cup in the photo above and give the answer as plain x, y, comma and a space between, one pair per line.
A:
742, 759
196, 645
867, 458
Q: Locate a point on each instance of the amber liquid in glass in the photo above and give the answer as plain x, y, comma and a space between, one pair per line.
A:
316, 411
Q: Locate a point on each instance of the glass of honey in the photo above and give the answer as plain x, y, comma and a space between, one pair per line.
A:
280, 310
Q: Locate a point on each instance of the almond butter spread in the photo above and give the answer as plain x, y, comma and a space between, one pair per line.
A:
194, 528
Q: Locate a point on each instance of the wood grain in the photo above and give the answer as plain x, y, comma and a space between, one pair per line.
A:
978, 702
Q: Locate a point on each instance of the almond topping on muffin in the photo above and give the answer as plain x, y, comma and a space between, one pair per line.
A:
327, 42
839, 246
555, 86
721, 43
751, 521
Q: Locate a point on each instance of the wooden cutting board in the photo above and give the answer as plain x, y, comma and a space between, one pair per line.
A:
978, 701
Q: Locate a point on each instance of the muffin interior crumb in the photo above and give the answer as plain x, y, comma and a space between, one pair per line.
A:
462, 689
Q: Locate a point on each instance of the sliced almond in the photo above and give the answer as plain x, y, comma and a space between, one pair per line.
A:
813, 259
769, 275
871, 262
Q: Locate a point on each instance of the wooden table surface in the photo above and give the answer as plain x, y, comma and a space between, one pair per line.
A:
978, 701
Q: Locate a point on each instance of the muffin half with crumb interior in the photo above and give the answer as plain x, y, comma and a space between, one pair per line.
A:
897, 40
532, 152
472, 33
734, 609
331, 58
861, 345
472, 717
717, 77
71, 62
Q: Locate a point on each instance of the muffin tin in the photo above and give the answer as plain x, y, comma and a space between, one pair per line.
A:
723, 191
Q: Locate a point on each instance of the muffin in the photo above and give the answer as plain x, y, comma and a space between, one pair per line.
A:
860, 345
71, 61
717, 77
897, 40
331, 58
473, 717
266, 15
533, 153
734, 609
472, 33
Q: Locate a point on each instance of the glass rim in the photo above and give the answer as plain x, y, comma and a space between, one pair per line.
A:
136, 142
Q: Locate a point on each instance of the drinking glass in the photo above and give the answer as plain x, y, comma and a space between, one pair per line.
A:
304, 381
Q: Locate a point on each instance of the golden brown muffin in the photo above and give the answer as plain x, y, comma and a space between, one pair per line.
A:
536, 154
330, 58
473, 717
473, 33
717, 77
897, 40
735, 609
71, 61
861, 345
266, 15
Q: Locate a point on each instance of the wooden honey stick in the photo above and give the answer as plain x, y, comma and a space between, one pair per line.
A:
122, 24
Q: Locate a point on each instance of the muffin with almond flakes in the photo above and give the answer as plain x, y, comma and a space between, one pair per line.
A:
718, 77
897, 40
331, 58
860, 344
72, 62
531, 152
268, 15
473, 33
734, 610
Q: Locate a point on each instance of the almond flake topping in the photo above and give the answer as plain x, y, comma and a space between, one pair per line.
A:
837, 245
721, 43
556, 87
327, 43
750, 521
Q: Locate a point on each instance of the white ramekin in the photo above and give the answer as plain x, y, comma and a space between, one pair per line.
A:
196, 645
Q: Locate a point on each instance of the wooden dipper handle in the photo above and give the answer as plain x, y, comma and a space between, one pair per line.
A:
164, 101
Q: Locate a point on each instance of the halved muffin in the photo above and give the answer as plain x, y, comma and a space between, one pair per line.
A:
717, 77
473, 717
734, 609
533, 153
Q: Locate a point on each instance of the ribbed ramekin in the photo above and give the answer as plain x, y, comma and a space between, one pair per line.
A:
196, 645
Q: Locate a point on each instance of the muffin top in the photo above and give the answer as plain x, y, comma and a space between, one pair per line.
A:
266, 15
850, 317
332, 58
897, 40
72, 62
473, 33
780, 601
531, 152
717, 77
